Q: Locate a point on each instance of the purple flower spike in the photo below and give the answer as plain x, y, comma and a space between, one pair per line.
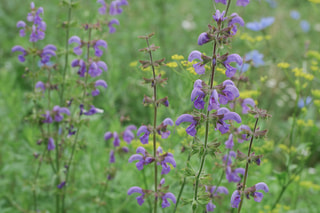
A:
232, 154
197, 95
214, 101
102, 10
145, 137
47, 52
232, 116
94, 69
229, 93
128, 135
203, 38
210, 206
58, 111
75, 39
108, 135
22, 24
221, 1
236, 19
165, 203
229, 143
243, 3
51, 145
98, 83
198, 67
116, 141
111, 157
191, 130
92, 111
232, 70
232, 176
165, 167
82, 66
136, 189
162, 128
20, 49
41, 86
112, 29
99, 43
218, 16
115, 7
235, 199
245, 108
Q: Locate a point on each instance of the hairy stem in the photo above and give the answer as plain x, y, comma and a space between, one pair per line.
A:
247, 166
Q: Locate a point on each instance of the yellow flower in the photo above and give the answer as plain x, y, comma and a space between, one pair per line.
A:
315, 93
177, 57
315, 1
317, 103
249, 94
191, 70
172, 64
313, 53
283, 65
263, 78
133, 64
221, 70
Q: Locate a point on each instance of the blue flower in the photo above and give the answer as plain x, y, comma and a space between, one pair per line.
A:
305, 26
295, 14
255, 57
257, 26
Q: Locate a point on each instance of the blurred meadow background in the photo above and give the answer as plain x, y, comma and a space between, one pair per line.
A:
286, 84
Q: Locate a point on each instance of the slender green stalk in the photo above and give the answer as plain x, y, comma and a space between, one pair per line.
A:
78, 130
154, 130
247, 166
102, 194
66, 59
146, 187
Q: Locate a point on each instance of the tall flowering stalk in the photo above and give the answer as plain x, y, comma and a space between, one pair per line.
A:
158, 157
209, 99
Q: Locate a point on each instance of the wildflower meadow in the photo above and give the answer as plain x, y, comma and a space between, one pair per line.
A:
160, 106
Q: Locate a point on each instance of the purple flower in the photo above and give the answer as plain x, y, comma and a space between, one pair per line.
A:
20, 49
41, 86
166, 158
162, 128
229, 143
231, 174
295, 14
115, 7
203, 38
94, 69
232, 154
210, 206
236, 19
61, 185
111, 157
82, 66
165, 203
232, 70
98, 83
255, 57
219, 17
191, 130
47, 52
47, 117
235, 199
112, 29
214, 101
136, 189
243, 68
128, 135
22, 24
229, 93
246, 136
99, 43
252, 191
198, 67
91, 111
58, 111
75, 39
197, 95
243, 2
102, 10
143, 159
114, 135
51, 145
221, 1
257, 26
245, 108
145, 137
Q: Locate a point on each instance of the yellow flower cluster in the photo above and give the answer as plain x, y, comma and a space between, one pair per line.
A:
247, 37
249, 94
263, 78
279, 208
286, 149
187, 63
172, 64
149, 147
191, 70
308, 123
299, 73
310, 185
315, 93
267, 147
315, 1
317, 103
283, 65
177, 57
313, 53
221, 70
133, 64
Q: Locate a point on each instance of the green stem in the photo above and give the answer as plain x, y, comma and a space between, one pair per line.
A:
66, 56
102, 194
154, 130
146, 187
247, 165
